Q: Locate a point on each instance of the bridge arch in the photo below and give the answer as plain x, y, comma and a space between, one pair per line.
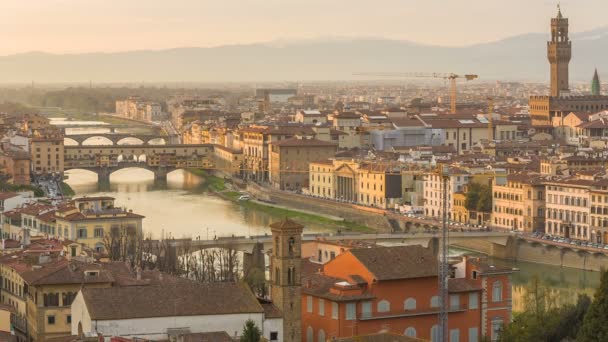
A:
157, 141
70, 141
102, 141
124, 141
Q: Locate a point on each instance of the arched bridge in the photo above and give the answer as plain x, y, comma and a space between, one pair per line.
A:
246, 244
116, 138
160, 159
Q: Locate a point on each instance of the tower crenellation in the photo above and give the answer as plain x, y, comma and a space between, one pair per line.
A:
559, 53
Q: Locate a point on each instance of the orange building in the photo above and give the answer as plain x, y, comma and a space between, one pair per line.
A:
367, 290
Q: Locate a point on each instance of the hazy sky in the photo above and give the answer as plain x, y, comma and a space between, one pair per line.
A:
120, 25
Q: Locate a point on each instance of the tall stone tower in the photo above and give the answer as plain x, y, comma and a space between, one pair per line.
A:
595, 84
559, 52
285, 273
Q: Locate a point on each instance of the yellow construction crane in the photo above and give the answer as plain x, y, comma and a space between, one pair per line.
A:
446, 76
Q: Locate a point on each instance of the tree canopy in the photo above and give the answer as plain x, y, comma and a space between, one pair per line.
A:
479, 197
595, 324
251, 332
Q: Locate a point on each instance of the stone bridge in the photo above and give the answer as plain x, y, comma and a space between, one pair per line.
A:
160, 159
246, 244
116, 138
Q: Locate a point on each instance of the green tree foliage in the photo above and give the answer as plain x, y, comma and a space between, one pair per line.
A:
256, 279
542, 320
251, 332
8, 187
16, 108
595, 324
479, 197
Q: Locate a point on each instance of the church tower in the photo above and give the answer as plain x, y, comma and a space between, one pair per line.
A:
595, 84
285, 276
559, 52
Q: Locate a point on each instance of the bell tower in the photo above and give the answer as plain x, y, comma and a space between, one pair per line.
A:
559, 52
285, 276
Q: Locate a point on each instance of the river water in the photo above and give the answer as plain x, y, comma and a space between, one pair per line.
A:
183, 209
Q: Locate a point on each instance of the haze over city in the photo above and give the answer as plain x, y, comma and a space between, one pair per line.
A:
76, 26
303, 171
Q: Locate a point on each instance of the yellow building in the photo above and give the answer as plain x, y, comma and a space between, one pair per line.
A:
290, 160
379, 185
90, 219
519, 203
370, 184
47, 154
6, 314
228, 161
460, 213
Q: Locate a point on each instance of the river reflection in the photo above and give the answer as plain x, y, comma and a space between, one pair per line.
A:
180, 206
565, 284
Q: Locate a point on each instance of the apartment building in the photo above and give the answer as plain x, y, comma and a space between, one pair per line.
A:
87, 220
519, 203
46, 150
228, 161
348, 123
353, 294
374, 184
137, 108
379, 185
290, 159
457, 178
15, 164
599, 212
568, 207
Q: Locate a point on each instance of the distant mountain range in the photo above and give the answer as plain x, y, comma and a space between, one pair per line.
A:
521, 57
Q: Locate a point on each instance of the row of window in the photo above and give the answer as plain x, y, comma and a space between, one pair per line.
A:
409, 304
52, 299
454, 334
567, 200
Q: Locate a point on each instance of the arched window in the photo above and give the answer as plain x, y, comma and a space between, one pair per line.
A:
309, 336
384, 306
435, 333
409, 304
292, 243
410, 332
435, 302
497, 291
277, 275
321, 336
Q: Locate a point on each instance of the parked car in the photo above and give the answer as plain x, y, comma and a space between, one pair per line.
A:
244, 198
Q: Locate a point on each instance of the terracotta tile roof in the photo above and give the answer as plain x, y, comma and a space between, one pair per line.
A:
406, 262
303, 142
379, 337
167, 300
7, 195
407, 122
271, 311
96, 198
485, 268
64, 272
319, 285
462, 285
288, 130
347, 115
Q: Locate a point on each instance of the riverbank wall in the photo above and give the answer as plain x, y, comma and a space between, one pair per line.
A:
370, 217
518, 249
